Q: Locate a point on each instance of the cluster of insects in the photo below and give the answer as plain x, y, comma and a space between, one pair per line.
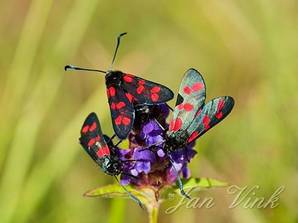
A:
129, 95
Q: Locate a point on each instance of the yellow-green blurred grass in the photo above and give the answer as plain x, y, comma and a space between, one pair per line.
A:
244, 49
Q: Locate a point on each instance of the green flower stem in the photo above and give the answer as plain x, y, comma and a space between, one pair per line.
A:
153, 214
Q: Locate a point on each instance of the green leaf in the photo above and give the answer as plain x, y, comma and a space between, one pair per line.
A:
111, 191
146, 196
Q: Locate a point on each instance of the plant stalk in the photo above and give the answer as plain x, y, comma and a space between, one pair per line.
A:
153, 214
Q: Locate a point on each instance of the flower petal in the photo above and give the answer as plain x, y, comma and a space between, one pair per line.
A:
185, 172
147, 128
160, 153
154, 140
134, 172
124, 180
144, 154
143, 167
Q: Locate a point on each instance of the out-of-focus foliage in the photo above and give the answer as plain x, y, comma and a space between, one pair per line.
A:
247, 49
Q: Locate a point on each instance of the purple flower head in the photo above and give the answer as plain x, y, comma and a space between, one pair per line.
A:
147, 163
152, 133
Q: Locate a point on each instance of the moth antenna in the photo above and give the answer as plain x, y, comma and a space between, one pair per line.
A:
134, 198
72, 67
180, 184
116, 49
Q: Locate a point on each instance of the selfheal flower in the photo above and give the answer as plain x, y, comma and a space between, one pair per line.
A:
150, 164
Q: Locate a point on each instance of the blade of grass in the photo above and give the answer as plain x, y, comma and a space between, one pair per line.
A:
17, 166
24, 56
22, 63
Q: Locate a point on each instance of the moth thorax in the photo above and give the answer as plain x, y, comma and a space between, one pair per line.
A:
113, 77
111, 166
176, 140
143, 109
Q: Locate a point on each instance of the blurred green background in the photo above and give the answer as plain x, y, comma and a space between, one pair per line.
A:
247, 49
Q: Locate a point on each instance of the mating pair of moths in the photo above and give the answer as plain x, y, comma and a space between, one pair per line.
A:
128, 93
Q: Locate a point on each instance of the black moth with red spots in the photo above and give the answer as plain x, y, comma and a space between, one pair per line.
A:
191, 116
95, 144
102, 150
125, 92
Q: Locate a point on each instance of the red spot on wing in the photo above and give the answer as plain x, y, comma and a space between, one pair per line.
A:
117, 106
220, 106
180, 106
154, 97
197, 86
193, 136
187, 90
91, 142
129, 97
118, 120
206, 121
125, 121
113, 106
172, 123
85, 129
111, 91
140, 89
188, 107
99, 153
104, 151
92, 127
122, 120
127, 78
178, 124
155, 89
219, 115
120, 105
141, 82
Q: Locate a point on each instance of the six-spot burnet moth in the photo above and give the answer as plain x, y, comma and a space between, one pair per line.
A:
191, 116
125, 92
102, 150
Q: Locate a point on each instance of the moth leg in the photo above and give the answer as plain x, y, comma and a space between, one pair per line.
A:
113, 136
134, 198
118, 143
180, 184
111, 139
